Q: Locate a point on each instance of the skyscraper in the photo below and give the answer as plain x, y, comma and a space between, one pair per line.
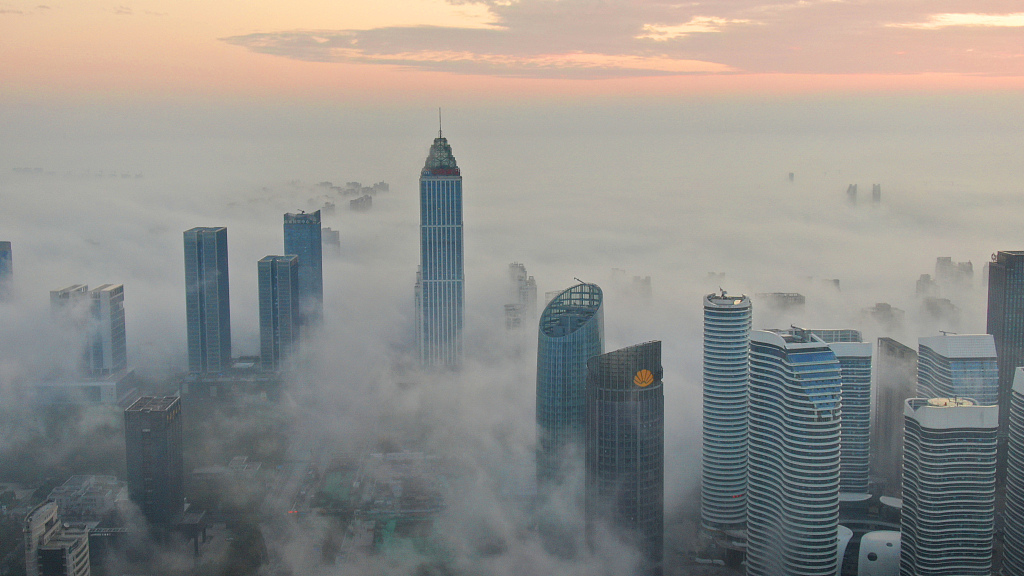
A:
6, 269
723, 487
571, 332
207, 304
153, 453
1013, 515
958, 365
1005, 310
440, 305
108, 349
303, 238
625, 454
949, 487
896, 383
279, 309
793, 455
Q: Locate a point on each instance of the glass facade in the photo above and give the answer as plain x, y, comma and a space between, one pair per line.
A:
1013, 515
302, 238
958, 366
279, 309
440, 305
108, 350
207, 305
794, 434
1006, 322
855, 368
723, 488
571, 332
625, 448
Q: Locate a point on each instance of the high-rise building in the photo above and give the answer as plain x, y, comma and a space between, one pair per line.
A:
949, 487
207, 304
723, 486
153, 454
795, 415
53, 548
855, 367
958, 366
70, 309
522, 289
6, 269
1005, 310
303, 238
108, 349
440, 298
625, 453
279, 309
896, 383
571, 332
1013, 514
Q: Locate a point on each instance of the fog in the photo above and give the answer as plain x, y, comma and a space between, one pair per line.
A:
668, 189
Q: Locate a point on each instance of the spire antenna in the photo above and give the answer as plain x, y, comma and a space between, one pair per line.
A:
439, 134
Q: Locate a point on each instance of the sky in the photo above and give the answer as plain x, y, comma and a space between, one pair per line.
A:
398, 50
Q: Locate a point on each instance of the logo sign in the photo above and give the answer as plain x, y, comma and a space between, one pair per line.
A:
643, 378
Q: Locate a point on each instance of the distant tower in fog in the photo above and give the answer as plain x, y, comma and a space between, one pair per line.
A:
723, 488
571, 332
303, 238
207, 304
896, 383
440, 299
279, 309
108, 348
6, 269
154, 458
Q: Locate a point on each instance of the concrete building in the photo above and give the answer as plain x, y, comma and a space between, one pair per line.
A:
207, 300
153, 450
571, 332
896, 383
949, 487
795, 415
303, 238
53, 548
723, 487
279, 290
625, 454
958, 366
89, 498
440, 291
1013, 514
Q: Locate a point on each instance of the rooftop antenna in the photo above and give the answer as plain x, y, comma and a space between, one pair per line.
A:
439, 135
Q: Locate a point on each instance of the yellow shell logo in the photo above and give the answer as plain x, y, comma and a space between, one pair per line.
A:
643, 378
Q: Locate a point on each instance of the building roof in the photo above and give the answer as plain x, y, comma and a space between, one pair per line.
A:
950, 413
852, 349
440, 160
152, 404
961, 345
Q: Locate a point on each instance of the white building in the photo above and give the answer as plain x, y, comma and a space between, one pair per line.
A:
958, 366
723, 488
1013, 538
52, 547
795, 411
949, 486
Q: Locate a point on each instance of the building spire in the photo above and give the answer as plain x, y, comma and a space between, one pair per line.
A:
439, 134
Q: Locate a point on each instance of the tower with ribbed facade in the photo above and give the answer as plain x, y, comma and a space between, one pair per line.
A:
949, 487
1013, 513
794, 432
958, 365
571, 332
723, 488
440, 300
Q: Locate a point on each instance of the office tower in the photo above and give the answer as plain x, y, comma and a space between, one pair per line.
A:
108, 348
958, 366
625, 452
1013, 513
207, 305
876, 193
153, 454
723, 486
279, 309
949, 487
571, 332
793, 455
67, 301
303, 238
896, 383
439, 284
69, 308
332, 242
523, 289
1005, 308
6, 269
53, 548
855, 368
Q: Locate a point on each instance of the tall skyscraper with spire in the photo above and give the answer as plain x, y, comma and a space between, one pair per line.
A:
440, 301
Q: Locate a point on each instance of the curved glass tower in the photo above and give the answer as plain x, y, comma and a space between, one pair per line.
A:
793, 455
571, 332
625, 456
723, 487
440, 305
1013, 538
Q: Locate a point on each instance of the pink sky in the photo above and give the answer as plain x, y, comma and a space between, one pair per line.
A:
401, 50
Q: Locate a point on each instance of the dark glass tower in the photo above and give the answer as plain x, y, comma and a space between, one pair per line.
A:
279, 309
625, 455
152, 437
207, 306
303, 238
1006, 325
440, 305
571, 332
6, 269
